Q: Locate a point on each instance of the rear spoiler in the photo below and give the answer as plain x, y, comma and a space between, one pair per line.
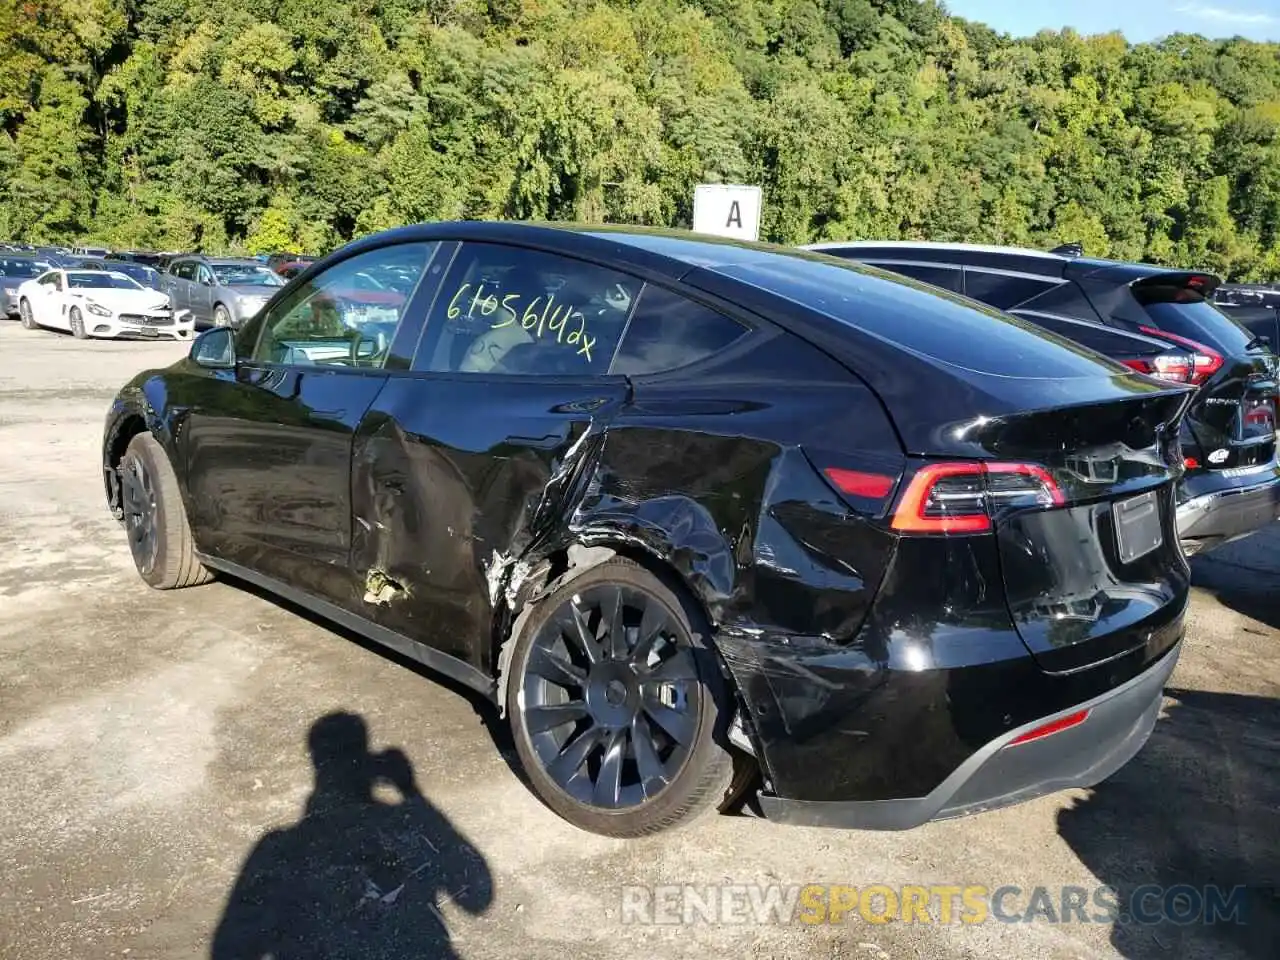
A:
1165, 287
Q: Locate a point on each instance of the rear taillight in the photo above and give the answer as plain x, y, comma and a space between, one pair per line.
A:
963, 497
1178, 367
1205, 361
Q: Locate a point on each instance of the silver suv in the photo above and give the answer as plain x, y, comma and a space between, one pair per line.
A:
222, 292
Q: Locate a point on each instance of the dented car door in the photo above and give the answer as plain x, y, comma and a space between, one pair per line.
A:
461, 467
269, 444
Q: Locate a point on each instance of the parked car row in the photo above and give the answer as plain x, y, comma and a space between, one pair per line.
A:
702, 517
99, 303
210, 291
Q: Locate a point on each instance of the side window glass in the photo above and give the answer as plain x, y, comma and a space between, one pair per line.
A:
204, 275
331, 320
182, 270
1004, 290
506, 310
669, 331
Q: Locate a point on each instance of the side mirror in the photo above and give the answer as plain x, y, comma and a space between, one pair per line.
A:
214, 349
206, 281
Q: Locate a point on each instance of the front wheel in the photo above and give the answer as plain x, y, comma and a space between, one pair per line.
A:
155, 519
28, 318
77, 324
618, 705
221, 316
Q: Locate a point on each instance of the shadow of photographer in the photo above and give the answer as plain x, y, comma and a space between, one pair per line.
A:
364, 871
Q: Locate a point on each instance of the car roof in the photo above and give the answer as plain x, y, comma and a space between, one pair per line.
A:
1012, 258
671, 253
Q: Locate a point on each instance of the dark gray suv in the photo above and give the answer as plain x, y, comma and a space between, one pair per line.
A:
220, 292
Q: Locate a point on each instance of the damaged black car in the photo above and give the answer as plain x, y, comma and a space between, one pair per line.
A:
699, 517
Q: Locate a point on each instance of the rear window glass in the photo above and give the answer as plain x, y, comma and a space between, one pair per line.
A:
1199, 321
668, 331
923, 319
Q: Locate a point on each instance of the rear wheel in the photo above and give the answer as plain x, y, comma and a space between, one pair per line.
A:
28, 318
77, 324
155, 519
618, 705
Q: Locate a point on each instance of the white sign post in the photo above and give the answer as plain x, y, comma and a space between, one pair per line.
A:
727, 210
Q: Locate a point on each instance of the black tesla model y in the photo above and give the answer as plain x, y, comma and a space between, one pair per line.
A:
686, 510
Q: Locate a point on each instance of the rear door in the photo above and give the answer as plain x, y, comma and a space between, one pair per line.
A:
202, 293
176, 284
460, 468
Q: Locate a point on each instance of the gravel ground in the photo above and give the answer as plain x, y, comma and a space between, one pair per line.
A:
158, 752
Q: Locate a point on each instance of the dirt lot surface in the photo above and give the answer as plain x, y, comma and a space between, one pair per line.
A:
154, 757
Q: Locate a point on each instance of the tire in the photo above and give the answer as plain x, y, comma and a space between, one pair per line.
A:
645, 722
155, 519
77, 324
746, 777
28, 318
221, 316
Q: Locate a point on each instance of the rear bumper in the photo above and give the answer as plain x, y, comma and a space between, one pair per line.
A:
1002, 773
1210, 518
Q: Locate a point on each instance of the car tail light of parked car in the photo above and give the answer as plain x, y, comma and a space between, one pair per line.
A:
1205, 361
1176, 367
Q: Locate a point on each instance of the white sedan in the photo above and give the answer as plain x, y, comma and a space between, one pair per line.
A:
100, 303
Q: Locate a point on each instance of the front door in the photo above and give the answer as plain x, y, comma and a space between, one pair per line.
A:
48, 303
461, 467
267, 446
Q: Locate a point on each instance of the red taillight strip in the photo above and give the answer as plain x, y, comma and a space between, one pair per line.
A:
910, 518
856, 483
1052, 727
1200, 372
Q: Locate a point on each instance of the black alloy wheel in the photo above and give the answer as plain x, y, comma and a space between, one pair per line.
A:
154, 518
141, 518
617, 703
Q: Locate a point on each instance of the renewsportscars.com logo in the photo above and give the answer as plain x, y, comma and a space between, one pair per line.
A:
1182, 904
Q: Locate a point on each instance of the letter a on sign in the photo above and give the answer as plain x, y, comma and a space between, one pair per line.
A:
727, 210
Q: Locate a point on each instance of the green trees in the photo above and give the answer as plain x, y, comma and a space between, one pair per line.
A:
230, 124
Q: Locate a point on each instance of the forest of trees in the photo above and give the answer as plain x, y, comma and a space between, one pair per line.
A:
298, 124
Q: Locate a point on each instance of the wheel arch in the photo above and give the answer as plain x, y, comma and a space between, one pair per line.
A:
117, 442
532, 581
